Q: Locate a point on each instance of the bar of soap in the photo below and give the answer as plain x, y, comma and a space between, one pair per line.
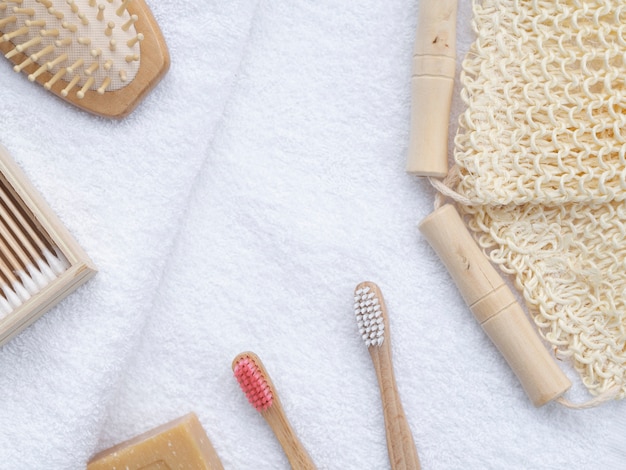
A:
181, 444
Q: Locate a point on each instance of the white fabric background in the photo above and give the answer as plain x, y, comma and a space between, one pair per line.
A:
236, 209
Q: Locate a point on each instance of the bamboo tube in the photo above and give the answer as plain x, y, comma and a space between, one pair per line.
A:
494, 306
434, 62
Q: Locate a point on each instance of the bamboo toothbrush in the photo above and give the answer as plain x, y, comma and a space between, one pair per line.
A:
100, 55
373, 322
261, 393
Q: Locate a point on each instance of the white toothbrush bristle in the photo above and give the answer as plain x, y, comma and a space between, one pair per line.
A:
369, 316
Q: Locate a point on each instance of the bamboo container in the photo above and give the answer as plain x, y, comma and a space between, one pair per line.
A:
40, 262
434, 63
494, 306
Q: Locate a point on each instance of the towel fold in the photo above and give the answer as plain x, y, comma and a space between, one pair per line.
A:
236, 209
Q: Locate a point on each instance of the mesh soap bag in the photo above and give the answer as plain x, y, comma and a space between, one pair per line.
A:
540, 173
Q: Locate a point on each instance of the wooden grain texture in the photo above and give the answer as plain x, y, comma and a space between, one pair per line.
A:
276, 417
434, 64
154, 63
495, 306
49, 233
400, 443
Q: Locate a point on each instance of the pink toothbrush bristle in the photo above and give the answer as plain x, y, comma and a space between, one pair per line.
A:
253, 383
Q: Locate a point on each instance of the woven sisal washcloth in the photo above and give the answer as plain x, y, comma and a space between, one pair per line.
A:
541, 167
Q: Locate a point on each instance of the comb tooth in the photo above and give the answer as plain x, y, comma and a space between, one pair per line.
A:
55, 78
135, 40
63, 42
70, 85
56, 13
56, 61
43, 52
33, 76
109, 29
69, 26
24, 11
31, 23
33, 42
49, 33
105, 83
126, 26
20, 67
72, 68
120, 11
13, 34
11, 53
100, 15
7, 20
81, 93
92, 68
73, 6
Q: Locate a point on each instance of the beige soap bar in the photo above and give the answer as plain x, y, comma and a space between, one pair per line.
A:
181, 444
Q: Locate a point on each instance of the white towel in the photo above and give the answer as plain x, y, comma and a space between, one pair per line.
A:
236, 209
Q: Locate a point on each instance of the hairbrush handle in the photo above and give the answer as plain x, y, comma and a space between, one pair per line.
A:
494, 306
434, 63
400, 444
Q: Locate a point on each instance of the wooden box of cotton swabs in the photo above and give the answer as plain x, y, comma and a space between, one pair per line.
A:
40, 262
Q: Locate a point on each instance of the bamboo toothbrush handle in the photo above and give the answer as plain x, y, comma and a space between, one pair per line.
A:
434, 63
297, 455
400, 444
494, 306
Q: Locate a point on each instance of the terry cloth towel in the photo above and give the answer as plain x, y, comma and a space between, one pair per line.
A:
236, 209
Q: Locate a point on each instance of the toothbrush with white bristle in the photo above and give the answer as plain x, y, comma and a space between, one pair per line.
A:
373, 322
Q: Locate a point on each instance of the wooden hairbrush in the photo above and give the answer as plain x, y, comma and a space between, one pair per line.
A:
102, 56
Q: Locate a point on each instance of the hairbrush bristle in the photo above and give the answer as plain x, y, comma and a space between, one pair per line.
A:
85, 44
369, 315
253, 382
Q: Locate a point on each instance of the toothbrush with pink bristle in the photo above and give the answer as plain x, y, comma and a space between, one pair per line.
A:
256, 385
